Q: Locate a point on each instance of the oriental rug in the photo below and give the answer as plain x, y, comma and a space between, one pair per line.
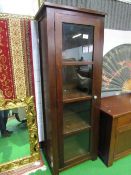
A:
16, 65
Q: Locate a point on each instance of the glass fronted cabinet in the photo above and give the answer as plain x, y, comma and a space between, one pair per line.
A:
71, 50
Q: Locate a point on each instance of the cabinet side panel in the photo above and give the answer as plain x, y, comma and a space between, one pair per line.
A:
45, 87
52, 87
104, 136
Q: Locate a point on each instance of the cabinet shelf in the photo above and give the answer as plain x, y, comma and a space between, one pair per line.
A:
84, 156
76, 146
76, 63
75, 95
74, 124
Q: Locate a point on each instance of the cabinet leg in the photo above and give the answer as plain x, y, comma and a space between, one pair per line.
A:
94, 158
109, 163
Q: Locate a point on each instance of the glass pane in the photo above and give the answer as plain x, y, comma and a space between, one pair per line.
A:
76, 145
77, 42
14, 140
77, 81
77, 117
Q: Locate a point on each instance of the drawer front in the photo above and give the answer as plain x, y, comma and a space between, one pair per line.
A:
123, 140
124, 120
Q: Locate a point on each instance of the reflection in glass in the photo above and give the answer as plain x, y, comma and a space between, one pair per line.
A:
77, 81
77, 42
76, 117
14, 140
76, 145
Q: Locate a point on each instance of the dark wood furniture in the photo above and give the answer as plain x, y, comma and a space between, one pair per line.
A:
115, 128
71, 42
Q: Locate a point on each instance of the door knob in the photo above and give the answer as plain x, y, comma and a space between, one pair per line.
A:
95, 97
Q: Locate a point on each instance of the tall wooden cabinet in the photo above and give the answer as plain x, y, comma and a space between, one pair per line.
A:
71, 42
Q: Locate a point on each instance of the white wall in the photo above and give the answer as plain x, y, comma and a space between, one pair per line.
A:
22, 7
113, 38
37, 77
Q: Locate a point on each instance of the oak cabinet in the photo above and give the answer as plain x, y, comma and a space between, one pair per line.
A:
71, 42
115, 128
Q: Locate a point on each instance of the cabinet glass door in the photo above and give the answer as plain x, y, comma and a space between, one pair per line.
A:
77, 42
77, 69
77, 56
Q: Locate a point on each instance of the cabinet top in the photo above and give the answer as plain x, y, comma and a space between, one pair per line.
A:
116, 106
64, 7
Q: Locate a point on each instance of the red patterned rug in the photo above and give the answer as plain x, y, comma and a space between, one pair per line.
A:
16, 68
16, 65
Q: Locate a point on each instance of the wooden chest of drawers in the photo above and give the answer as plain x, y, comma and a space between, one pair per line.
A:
115, 128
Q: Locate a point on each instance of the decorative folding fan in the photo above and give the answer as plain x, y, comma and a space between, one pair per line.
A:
117, 69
